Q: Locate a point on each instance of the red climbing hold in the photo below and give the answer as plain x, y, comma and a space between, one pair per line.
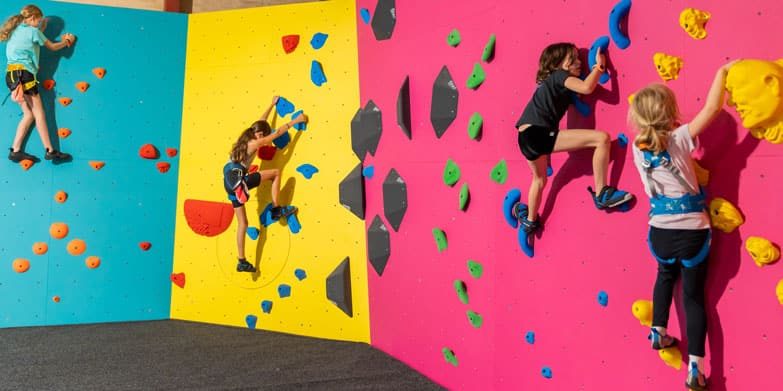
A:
171, 152
267, 152
145, 246
178, 279
253, 168
148, 151
290, 42
163, 167
208, 218
48, 84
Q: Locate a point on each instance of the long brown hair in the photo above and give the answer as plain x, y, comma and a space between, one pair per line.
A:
239, 152
13, 22
655, 113
551, 58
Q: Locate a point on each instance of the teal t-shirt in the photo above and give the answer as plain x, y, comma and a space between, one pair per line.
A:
24, 47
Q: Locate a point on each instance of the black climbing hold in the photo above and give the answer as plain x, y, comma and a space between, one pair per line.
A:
404, 107
445, 99
338, 287
383, 19
366, 128
379, 246
395, 199
352, 192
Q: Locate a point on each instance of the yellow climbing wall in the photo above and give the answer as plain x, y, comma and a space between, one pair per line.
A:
235, 64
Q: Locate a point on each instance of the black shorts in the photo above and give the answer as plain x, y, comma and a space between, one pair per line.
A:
13, 78
251, 180
536, 141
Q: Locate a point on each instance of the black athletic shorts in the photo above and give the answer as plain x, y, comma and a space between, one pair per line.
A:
13, 78
537, 141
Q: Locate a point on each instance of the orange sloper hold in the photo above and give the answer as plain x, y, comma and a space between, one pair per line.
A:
48, 84
26, 164
208, 218
63, 132
76, 247
171, 152
82, 86
21, 265
163, 167
65, 101
178, 279
58, 230
92, 262
60, 196
40, 248
96, 164
99, 72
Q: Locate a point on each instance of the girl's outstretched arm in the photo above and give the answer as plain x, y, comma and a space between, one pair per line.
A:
67, 40
587, 86
278, 132
265, 116
713, 104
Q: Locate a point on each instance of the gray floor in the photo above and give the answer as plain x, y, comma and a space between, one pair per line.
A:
182, 355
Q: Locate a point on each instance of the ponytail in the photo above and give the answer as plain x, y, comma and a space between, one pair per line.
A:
13, 22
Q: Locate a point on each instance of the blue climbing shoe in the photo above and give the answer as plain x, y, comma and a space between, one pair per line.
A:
610, 197
520, 211
661, 341
696, 380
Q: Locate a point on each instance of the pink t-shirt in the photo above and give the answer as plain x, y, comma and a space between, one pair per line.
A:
680, 147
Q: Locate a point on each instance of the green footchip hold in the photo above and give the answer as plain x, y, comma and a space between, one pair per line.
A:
477, 77
499, 173
462, 291
450, 357
454, 38
475, 125
464, 196
440, 239
451, 173
475, 268
475, 319
489, 50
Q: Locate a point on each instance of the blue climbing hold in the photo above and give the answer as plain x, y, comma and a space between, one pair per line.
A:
549, 171
619, 12
622, 140
603, 43
317, 74
300, 274
282, 141
524, 242
284, 290
307, 170
365, 14
624, 207
546, 372
284, 107
266, 306
293, 224
580, 106
368, 171
512, 197
266, 216
318, 40
603, 298
253, 232
251, 321
530, 337
300, 125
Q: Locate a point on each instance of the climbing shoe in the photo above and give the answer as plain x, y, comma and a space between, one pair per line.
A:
661, 341
609, 197
279, 212
56, 156
245, 266
20, 155
520, 211
696, 380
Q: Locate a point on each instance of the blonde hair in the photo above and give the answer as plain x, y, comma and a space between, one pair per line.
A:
654, 112
13, 22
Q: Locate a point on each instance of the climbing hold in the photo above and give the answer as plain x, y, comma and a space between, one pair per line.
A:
284, 290
450, 357
366, 130
317, 75
252, 232
464, 196
148, 151
475, 269
300, 274
290, 42
754, 86
352, 192
581, 107
702, 174
378, 245
725, 216
26, 164
58, 230
603, 298
454, 38
65, 101
145, 246
92, 262
318, 40
267, 152
251, 321
489, 50
284, 107
307, 170
622, 140
549, 171
630, 98
383, 20
338, 287
178, 279
293, 224
48, 84
512, 197
530, 337
475, 125
395, 199
253, 168
266, 306
368, 171
82, 86
300, 125
445, 102
668, 67
671, 356
76, 247
282, 141
171, 152
440, 239
546, 372
476, 77
616, 17
779, 291
163, 167
462, 291
40, 248
56, 299
693, 21
99, 72
96, 165
365, 14
208, 218
762, 250
602, 43
475, 319
642, 310
63, 132
21, 265
404, 107
499, 173
451, 173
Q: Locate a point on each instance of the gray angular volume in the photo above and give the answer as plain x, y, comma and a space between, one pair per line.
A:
404, 107
383, 19
445, 100
366, 129
379, 246
395, 199
338, 287
352, 192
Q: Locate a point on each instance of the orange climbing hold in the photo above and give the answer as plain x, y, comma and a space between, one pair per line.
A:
171, 152
148, 151
60, 196
92, 262
63, 132
56, 299
178, 279
40, 248
145, 246
99, 72
96, 164
82, 86
48, 84
65, 101
208, 218
21, 265
76, 247
163, 167
26, 164
58, 230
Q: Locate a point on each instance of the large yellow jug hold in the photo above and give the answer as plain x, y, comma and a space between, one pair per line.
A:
756, 91
671, 356
642, 310
725, 216
762, 250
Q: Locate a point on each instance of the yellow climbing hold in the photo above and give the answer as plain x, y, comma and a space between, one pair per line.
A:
762, 250
668, 67
643, 310
756, 91
671, 356
725, 216
779, 291
693, 21
702, 174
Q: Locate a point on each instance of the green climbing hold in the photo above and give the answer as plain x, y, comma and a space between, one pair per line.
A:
489, 50
477, 77
499, 172
475, 319
440, 239
454, 38
451, 173
475, 268
464, 196
475, 125
450, 357
462, 291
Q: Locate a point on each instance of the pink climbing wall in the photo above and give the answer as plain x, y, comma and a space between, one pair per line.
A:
415, 311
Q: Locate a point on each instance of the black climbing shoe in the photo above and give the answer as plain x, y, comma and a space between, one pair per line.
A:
56, 156
245, 266
20, 155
